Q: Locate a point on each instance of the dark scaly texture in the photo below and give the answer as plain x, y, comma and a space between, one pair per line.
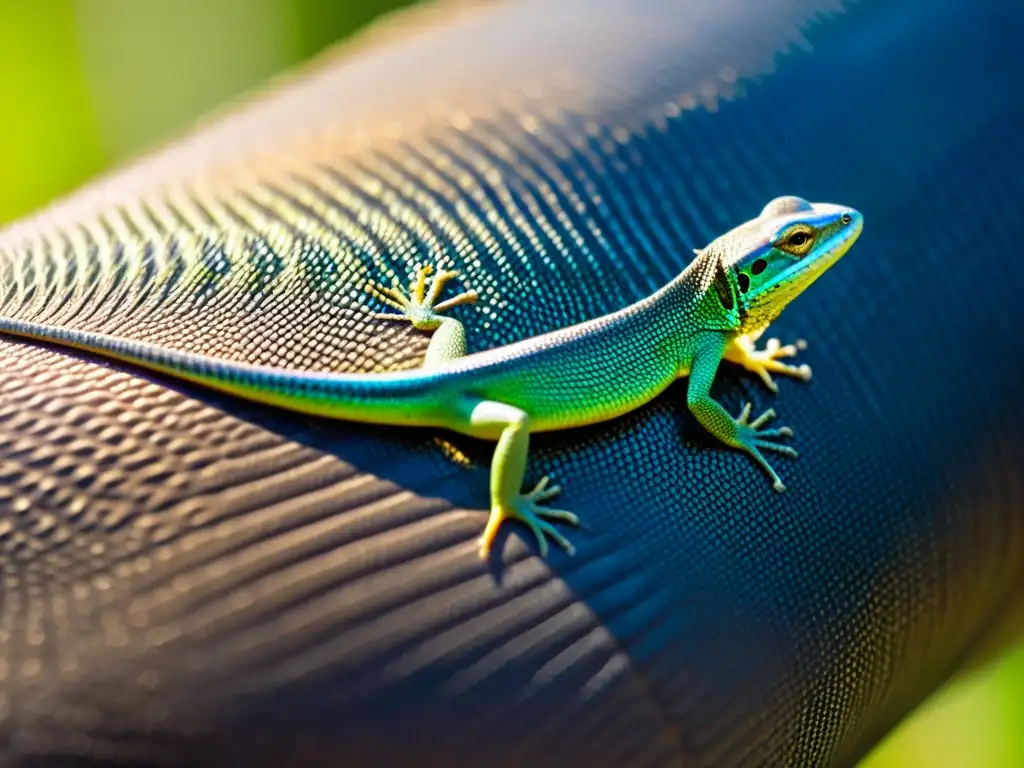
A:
189, 578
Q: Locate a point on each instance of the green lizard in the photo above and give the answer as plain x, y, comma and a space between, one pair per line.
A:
597, 370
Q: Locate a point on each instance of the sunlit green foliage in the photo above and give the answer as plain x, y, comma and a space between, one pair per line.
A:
977, 723
85, 84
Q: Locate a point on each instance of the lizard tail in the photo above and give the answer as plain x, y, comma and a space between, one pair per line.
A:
400, 398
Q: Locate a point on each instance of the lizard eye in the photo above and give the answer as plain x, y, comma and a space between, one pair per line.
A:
797, 240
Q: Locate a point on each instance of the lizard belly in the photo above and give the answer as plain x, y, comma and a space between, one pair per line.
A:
552, 421
575, 396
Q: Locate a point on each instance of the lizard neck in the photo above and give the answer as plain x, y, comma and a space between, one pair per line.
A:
694, 302
703, 297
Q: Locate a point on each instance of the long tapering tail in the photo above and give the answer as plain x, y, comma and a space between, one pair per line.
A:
399, 398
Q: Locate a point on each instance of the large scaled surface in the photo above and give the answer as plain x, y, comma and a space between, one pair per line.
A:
186, 578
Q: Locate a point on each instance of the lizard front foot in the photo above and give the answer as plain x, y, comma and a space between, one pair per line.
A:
766, 361
525, 508
417, 305
751, 438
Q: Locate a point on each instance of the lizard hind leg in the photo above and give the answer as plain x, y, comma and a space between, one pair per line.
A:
511, 426
420, 307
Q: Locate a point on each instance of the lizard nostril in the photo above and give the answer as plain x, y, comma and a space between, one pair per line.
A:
846, 218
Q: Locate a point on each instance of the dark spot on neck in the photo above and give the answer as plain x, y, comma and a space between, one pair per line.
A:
744, 281
758, 267
722, 287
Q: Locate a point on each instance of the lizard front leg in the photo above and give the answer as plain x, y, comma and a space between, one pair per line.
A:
420, 308
511, 427
741, 433
764, 362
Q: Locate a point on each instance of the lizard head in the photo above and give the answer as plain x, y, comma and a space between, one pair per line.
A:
776, 256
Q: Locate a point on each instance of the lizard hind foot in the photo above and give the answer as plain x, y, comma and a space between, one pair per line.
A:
526, 509
419, 303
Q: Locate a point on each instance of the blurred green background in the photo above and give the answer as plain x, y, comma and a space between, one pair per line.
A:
87, 84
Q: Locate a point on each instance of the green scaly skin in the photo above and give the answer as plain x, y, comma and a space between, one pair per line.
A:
587, 373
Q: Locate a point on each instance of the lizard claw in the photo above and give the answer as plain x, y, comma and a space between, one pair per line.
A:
419, 304
766, 361
753, 439
525, 508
